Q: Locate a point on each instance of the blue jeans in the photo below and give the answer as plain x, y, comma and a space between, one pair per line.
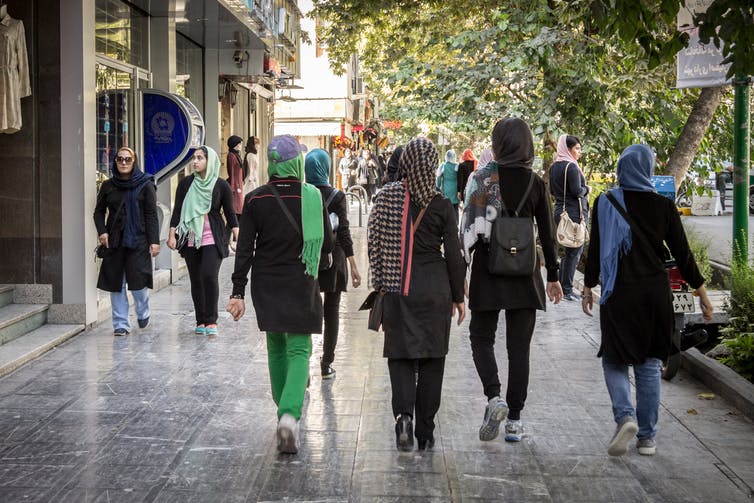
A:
568, 268
647, 377
119, 301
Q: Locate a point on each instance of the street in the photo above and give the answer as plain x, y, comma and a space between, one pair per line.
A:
165, 415
718, 231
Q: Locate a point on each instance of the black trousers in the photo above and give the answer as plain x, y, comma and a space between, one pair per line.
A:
519, 327
203, 267
418, 397
332, 323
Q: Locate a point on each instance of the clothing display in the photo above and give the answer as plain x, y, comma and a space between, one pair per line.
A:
14, 73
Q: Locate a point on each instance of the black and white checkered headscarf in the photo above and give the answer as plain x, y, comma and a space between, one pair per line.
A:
389, 237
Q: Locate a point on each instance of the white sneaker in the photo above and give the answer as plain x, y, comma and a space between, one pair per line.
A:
514, 430
287, 434
494, 414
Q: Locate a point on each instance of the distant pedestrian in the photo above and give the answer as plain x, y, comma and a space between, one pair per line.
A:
131, 236
197, 231
568, 187
393, 172
284, 231
251, 165
722, 179
333, 280
636, 308
506, 179
447, 179
467, 166
237, 174
347, 169
415, 257
368, 173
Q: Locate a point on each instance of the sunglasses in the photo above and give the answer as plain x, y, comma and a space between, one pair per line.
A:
122, 160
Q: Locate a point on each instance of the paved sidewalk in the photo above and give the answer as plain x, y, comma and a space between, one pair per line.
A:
165, 415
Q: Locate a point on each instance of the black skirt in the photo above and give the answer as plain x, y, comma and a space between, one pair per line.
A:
637, 321
135, 263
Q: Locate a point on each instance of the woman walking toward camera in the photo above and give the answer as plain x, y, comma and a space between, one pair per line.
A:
506, 182
568, 187
197, 231
415, 258
130, 237
631, 225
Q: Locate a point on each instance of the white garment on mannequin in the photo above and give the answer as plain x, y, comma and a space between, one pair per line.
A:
14, 73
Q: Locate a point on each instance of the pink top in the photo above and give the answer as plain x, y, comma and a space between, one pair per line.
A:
207, 238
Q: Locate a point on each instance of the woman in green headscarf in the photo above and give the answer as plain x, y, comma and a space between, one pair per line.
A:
197, 231
284, 232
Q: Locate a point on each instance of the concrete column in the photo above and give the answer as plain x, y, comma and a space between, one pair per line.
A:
78, 154
211, 75
162, 58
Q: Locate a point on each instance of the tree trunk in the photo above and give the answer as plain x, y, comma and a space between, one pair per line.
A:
693, 132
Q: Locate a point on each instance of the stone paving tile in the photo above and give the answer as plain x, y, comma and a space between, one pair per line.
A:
165, 415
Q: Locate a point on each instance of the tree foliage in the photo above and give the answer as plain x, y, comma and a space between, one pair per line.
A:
467, 63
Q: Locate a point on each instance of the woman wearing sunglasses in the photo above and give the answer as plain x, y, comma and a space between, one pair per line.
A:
130, 234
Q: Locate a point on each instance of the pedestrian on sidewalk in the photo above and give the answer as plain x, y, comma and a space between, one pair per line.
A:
636, 311
447, 179
251, 166
467, 166
237, 174
409, 228
568, 187
197, 231
393, 171
284, 231
334, 280
131, 237
506, 179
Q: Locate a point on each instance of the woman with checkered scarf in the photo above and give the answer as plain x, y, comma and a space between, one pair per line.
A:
415, 258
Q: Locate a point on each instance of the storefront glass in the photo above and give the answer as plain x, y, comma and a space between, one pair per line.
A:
122, 32
189, 67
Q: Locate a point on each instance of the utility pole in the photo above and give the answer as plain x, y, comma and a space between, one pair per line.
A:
741, 118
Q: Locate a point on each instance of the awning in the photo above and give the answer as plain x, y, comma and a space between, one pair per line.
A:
308, 128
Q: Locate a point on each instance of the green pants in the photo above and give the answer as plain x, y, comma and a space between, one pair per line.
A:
288, 361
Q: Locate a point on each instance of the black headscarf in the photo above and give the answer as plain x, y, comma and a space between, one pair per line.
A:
393, 165
513, 144
133, 186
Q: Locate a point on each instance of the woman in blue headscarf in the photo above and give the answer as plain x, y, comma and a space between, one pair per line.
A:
333, 279
636, 309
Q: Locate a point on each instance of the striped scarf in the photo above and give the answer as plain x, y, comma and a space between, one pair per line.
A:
389, 238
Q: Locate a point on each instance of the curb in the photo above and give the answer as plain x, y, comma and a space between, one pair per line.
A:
721, 380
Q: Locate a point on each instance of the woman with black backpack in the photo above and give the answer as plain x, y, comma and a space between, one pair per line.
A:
494, 191
333, 274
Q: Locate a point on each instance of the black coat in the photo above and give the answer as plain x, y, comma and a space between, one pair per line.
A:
488, 292
464, 171
575, 190
418, 325
335, 279
222, 199
136, 263
285, 298
637, 320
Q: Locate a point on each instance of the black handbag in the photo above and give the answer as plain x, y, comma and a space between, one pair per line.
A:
513, 247
374, 303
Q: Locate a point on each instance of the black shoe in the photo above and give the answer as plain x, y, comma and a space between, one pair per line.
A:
328, 372
425, 443
404, 433
119, 332
143, 323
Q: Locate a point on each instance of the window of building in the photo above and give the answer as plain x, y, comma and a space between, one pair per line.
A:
122, 32
189, 69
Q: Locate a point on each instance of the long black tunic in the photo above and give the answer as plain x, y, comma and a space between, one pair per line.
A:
637, 320
488, 292
137, 262
222, 199
418, 325
575, 190
335, 279
285, 298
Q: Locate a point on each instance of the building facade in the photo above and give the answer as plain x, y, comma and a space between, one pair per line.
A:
88, 60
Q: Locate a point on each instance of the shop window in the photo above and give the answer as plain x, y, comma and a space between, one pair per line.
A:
122, 32
189, 68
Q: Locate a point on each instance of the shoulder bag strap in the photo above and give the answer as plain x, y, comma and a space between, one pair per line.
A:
526, 194
415, 225
565, 178
636, 230
285, 209
331, 198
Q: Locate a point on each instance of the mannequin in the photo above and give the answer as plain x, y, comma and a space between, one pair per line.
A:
3, 10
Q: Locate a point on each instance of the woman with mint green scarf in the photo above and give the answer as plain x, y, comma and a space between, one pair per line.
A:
284, 231
197, 231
